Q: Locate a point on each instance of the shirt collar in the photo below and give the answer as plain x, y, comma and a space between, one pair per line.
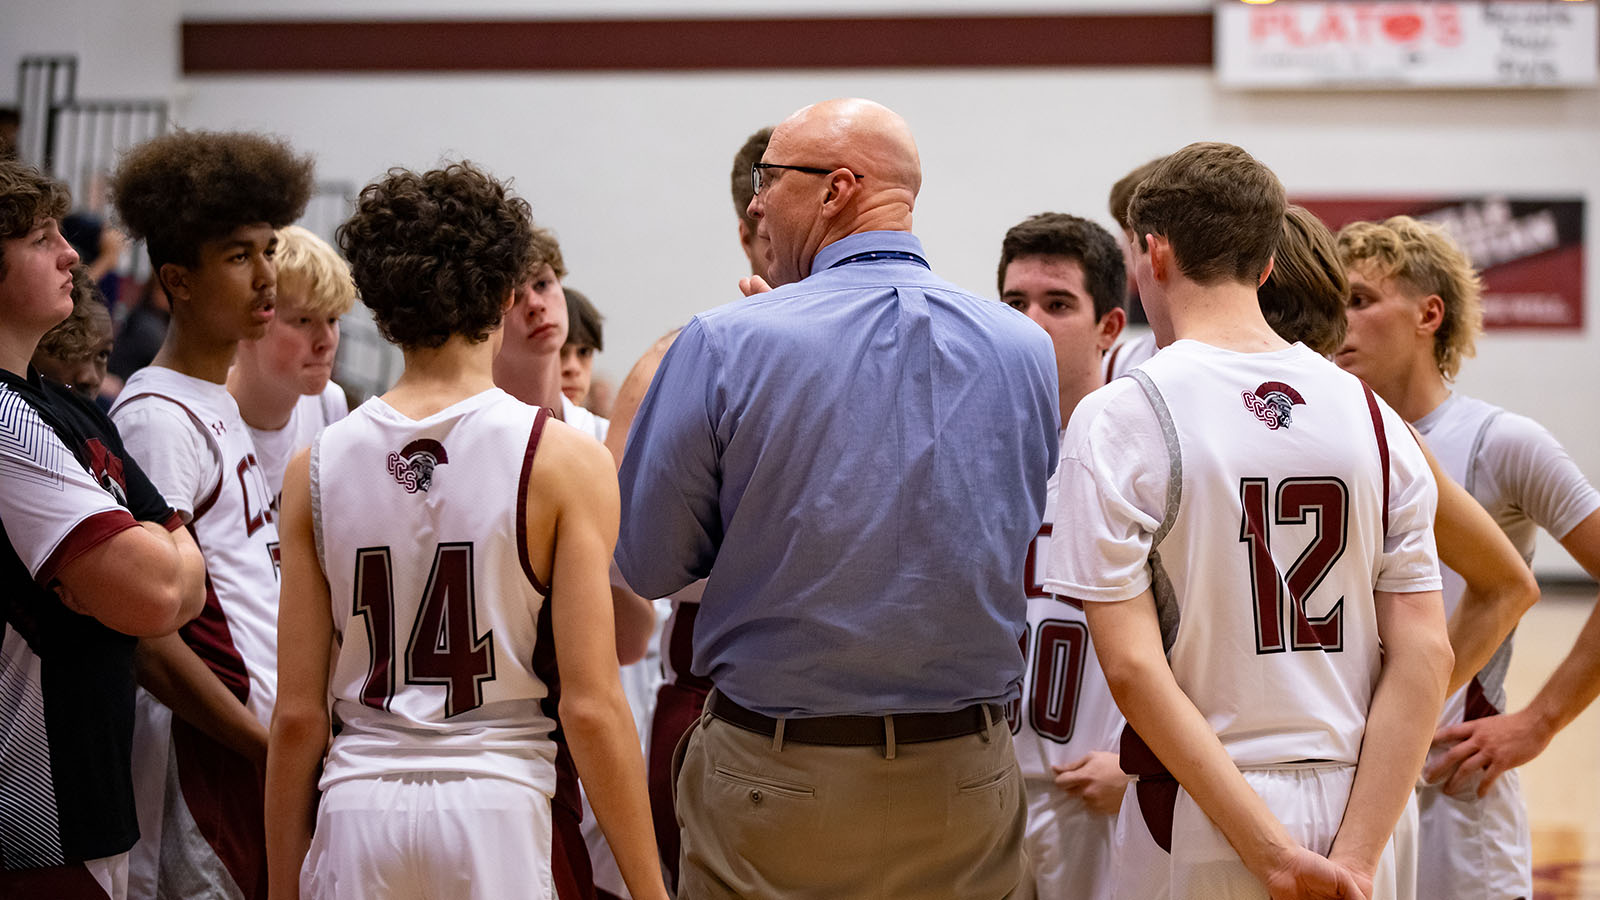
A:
865, 242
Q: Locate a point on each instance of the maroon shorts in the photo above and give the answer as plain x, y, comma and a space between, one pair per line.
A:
676, 709
569, 855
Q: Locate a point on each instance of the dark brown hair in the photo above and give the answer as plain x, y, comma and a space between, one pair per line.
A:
1219, 207
27, 196
1122, 191
79, 334
1305, 296
584, 322
754, 146
182, 189
1080, 240
437, 254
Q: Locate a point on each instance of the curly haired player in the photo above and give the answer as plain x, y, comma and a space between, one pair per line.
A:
455, 599
207, 205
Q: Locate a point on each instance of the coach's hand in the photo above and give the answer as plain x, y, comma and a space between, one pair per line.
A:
752, 285
1097, 779
1310, 876
1487, 748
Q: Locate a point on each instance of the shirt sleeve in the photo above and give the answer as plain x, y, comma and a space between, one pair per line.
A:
671, 472
52, 509
1410, 561
1537, 472
1113, 476
171, 451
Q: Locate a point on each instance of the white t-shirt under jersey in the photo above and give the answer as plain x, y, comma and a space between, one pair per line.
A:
276, 446
1214, 477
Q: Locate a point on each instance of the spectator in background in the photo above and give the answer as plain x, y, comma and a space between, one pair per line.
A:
10, 124
75, 352
139, 337
585, 338
282, 381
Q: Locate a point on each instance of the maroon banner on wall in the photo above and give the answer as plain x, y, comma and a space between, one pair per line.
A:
1529, 249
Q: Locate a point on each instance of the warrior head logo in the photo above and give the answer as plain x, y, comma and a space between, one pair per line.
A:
107, 469
1272, 403
413, 466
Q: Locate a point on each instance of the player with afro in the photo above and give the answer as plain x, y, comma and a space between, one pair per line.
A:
207, 205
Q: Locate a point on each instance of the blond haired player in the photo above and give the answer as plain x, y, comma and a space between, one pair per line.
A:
282, 380
1250, 524
405, 539
1415, 312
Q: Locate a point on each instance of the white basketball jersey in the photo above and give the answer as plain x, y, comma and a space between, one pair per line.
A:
1265, 521
420, 532
1519, 473
1066, 710
237, 632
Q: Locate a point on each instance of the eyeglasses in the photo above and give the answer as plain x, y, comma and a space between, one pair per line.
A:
756, 179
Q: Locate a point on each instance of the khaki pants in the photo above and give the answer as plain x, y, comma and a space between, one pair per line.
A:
942, 819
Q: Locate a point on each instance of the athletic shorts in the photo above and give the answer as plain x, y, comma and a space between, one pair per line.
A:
1475, 848
1309, 800
429, 834
1069, 845
95, 879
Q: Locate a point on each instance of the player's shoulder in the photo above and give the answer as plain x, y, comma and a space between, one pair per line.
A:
565, 449
1509, 431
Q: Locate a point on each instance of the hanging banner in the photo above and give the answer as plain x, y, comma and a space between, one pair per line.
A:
1529, 249
1299, 45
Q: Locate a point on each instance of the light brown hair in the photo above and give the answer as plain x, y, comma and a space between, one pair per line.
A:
1220, 208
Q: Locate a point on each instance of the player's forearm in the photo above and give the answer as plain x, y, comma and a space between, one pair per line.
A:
192, 576
1400, 725
1574, 684
600, 732
171, 671
294, 756
636, 624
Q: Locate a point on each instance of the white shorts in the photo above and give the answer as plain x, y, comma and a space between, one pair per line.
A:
1309, 800
429, 834
1475, 849
1069, 845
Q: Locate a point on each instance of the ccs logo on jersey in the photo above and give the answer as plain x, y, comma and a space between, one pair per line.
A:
413, 466
1272, 402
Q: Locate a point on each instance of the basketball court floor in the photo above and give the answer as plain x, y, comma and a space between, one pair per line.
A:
1562, 786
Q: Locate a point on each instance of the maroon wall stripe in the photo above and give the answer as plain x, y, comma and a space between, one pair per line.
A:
697, 44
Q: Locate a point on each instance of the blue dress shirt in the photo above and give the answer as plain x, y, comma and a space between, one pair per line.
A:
858, 461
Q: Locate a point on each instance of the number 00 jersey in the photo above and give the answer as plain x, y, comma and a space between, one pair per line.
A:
1263, 497
420, 532
1066, 710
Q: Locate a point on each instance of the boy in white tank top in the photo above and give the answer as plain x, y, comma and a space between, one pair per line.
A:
1066, 274
206, 205
1415, 313
1242, 550
410, 558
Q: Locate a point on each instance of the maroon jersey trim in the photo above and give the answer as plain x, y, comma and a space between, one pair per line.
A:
85, 536
680, 648
522, 500
210, 499
1383, 450
1479, 706
173, 522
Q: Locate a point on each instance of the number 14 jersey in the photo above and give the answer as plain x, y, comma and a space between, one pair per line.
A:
1262, 497
420, 530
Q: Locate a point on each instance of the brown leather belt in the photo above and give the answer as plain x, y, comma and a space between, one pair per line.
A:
861, 731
